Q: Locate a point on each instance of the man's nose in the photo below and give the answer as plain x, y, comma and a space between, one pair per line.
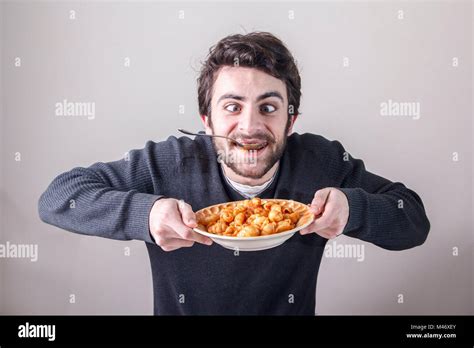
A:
250, 121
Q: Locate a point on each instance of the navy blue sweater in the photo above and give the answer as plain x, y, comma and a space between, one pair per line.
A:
113, 200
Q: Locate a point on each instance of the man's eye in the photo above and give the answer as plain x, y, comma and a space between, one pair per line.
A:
232, 108
267, 108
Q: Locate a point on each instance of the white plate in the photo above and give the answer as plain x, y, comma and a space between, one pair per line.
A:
253, 243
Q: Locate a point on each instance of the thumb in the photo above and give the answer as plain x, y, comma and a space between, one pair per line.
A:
187, 214
319, 200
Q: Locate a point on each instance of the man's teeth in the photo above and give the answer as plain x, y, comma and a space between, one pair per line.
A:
254, 146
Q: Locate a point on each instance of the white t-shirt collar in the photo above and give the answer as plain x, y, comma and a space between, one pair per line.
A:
249, 191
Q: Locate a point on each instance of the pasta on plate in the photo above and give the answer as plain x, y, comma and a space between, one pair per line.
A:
253, 217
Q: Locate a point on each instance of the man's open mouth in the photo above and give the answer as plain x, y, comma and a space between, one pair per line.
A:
253, 145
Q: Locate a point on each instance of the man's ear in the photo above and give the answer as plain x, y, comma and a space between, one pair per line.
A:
292, 122
206, 123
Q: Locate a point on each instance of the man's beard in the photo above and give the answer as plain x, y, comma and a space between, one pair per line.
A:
273, 153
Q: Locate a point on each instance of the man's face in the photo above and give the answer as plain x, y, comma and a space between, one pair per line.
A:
251, 107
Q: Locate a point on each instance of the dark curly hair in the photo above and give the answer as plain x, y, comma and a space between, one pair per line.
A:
260, 50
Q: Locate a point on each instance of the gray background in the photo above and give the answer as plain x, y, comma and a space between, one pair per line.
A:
83, 60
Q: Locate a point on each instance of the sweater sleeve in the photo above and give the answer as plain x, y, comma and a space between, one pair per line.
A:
110, 200
381, 212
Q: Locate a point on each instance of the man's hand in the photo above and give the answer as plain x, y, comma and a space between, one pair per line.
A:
171, 222
331, 210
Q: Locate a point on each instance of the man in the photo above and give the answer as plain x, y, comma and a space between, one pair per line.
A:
249, 89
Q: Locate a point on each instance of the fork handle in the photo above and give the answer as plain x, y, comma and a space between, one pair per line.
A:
207, 135
188, 132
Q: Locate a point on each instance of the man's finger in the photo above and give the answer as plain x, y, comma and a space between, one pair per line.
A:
166, 233
322, 223
315, 227
307, 229
187, 233
317, 207
175, 243
318, 224
319, 200
187, 214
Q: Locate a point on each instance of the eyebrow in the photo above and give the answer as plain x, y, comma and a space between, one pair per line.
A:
260, 97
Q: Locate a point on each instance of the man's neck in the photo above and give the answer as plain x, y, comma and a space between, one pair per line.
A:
249, 181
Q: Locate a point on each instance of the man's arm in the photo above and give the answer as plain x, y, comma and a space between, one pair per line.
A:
367, 206
382, 212
111, 200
